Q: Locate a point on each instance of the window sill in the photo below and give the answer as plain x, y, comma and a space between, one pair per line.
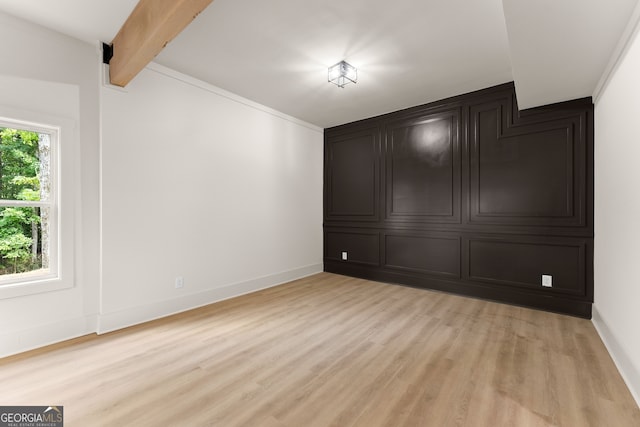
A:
37, 285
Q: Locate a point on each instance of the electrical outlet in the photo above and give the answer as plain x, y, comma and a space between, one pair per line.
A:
179, 282
344, 256
547, 280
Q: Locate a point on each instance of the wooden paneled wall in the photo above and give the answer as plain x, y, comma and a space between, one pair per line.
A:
467, 195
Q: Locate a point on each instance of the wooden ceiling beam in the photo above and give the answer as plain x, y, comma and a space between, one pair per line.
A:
151, 25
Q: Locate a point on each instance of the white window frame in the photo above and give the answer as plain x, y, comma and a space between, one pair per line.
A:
61, 242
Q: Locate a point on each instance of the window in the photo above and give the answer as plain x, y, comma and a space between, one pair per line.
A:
28, 203
39, 109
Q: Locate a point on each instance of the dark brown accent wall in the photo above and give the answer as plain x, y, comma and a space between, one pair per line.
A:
467, 195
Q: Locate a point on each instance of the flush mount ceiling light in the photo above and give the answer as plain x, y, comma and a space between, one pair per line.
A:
342, 74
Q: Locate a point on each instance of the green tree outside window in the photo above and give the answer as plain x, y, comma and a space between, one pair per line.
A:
21, 233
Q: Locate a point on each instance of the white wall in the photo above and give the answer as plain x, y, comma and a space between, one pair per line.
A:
174, 177
199, 183
57, 76
617, 215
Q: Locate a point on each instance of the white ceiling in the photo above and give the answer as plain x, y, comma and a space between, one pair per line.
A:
559, 49
408, 52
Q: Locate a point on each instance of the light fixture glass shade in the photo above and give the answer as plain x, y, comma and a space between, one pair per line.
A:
342, 73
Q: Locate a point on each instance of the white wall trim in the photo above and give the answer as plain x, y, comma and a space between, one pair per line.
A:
47, 334
161, 69
102, 70
108, 322
104, 78
627, 37
624, 363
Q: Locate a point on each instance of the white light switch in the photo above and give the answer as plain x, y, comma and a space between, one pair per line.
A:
547, 280
344, 256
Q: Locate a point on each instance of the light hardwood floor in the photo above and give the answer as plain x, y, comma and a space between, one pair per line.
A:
330, 350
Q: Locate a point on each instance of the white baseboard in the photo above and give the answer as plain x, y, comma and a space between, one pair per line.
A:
43, 335
108, 322
626, 367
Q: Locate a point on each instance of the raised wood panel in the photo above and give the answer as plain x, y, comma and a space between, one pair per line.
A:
424, 254
467, 195
352, 176
521, 263
361, 247
422, 172
527, 172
